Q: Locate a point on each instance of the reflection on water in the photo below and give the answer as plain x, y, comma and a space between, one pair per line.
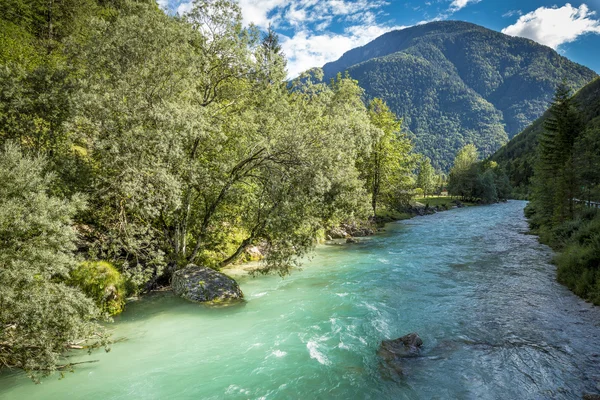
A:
478, 291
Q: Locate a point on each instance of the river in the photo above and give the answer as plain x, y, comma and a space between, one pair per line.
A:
478, 290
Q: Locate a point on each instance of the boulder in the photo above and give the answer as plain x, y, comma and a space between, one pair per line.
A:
201, 284
346, 230
351, 240
338, 232
406, 346
393, 351
254, 253
359, 230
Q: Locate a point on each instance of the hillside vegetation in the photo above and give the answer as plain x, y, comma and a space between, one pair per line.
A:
565, 186
455, 83
519, 155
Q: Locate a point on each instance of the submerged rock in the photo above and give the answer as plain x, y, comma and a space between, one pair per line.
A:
591, 396
393, 351
201, 284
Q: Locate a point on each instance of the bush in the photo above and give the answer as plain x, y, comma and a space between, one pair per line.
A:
561, 235
579, 263
101, 282
40, 316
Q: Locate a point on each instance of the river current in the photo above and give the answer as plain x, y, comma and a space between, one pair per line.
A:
479, 291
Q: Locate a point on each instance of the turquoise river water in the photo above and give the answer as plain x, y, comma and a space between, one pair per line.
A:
478, 290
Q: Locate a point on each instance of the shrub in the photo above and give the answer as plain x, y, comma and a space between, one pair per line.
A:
101, 282
579, 263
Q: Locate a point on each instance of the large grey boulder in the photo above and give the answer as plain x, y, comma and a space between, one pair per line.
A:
201, 284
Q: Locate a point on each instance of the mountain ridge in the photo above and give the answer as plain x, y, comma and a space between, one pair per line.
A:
456, 83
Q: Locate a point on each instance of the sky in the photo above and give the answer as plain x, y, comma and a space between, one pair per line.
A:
314, 32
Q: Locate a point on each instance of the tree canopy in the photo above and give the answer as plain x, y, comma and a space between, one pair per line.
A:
188, 145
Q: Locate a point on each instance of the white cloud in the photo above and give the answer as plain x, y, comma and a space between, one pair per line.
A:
306, 50
555, 26
460, 4
512, 13
184, 8
257, 11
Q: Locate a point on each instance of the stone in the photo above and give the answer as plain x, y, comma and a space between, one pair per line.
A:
393, 351
254, 253
202, 284
406, 346
351, 240
338, 233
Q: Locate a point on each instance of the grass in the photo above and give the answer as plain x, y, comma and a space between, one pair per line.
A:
443, 201
392, 215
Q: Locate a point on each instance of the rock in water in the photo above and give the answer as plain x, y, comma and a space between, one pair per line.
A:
392, 351
201, 284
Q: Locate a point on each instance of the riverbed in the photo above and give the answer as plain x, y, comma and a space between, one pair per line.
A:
477, 288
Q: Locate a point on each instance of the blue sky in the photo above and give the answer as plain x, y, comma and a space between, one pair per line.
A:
314, 32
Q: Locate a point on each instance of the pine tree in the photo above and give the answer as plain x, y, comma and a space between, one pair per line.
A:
555, 184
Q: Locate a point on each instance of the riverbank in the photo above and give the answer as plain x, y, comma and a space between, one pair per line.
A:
420, 206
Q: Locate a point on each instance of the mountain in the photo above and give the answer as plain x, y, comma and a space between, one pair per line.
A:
518, 155
455, 83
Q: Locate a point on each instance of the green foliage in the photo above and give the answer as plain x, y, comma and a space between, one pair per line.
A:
101, 282
189, 145
578, 263
427, 180
386, 167
40, 316
519, 155
555, 185
566, 178
462, 177
456, 83
477, 181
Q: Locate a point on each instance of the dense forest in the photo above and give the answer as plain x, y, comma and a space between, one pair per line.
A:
565, 186
519, 155
134, 143
455, 83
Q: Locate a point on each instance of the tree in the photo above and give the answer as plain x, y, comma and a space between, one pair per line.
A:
272, 57
40, 316
426, 178
461, 180
555, 184
387, 165
587, 164
196, 159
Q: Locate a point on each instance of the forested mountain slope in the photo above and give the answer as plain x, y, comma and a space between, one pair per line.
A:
456, 83
518, 156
